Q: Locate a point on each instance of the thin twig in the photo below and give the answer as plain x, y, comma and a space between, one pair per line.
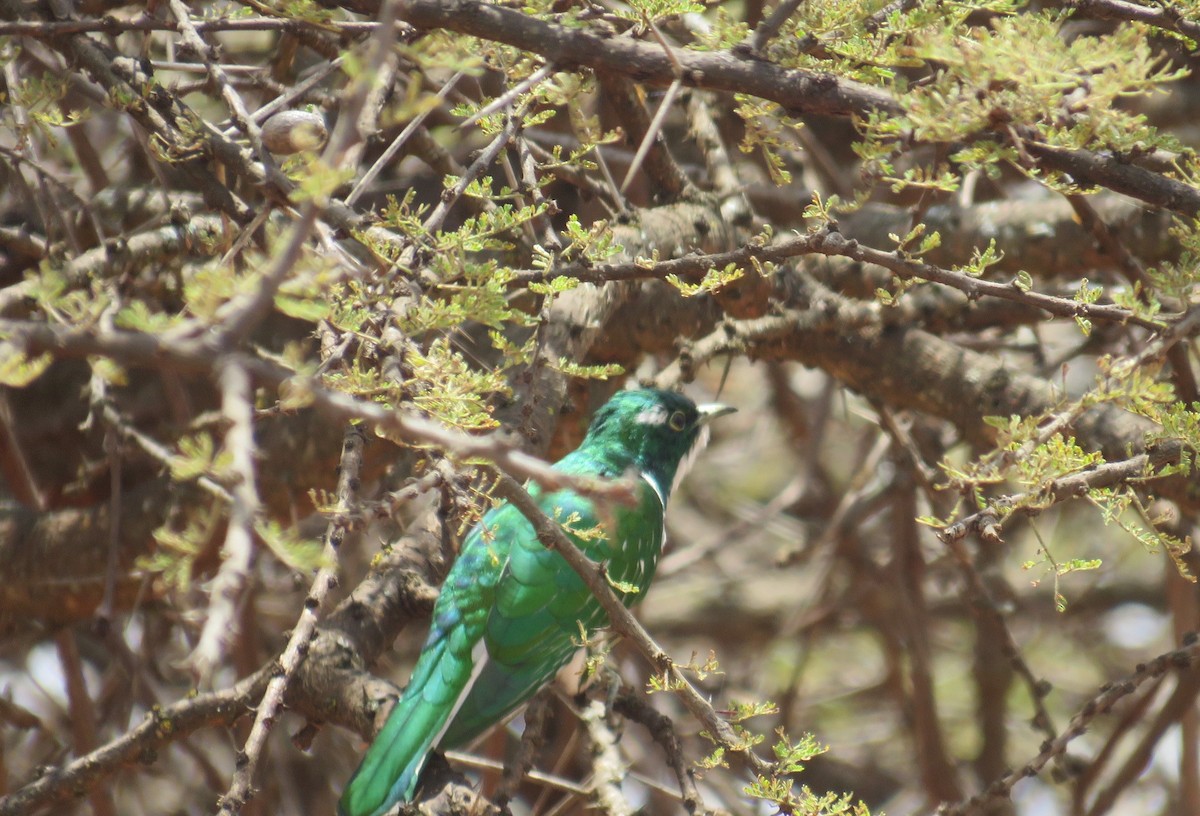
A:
1169, 715
607, 765
450, 197
1102, 703
1167, 16
831, 242
505, 99
233, 577
533, 738
662, 731
237, 107
240, 789
83, 713
769, 27
651, 135
385, 158
549, 780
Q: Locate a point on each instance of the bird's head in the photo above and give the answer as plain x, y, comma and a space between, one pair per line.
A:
656, 431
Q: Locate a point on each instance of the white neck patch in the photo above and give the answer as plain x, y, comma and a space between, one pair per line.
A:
689, 458
650, 480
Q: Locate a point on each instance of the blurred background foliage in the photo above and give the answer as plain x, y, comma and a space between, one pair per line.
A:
280, 280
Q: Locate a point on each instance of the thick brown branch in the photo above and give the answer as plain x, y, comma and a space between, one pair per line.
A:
909, 368
1165, 17
799, 91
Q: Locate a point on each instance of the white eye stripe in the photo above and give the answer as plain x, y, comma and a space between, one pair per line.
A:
652, 416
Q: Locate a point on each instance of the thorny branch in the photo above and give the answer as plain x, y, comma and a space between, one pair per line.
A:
140, 744
240, 789
1102, 703
798, 90
989, 522
234, 576
136, 348
831, 242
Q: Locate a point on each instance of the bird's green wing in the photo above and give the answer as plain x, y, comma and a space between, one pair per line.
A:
450, 663
540, 602
507, 619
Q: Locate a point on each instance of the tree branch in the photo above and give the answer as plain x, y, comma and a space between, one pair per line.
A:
625, 624
140, 745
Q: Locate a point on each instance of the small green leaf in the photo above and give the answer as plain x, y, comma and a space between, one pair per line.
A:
18, 370
301, 554
560, 283
302, 308
197, 457
109, 371
589, 372
622, 586
713, 280
295, 393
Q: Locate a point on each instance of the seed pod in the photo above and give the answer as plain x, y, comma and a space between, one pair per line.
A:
294, 131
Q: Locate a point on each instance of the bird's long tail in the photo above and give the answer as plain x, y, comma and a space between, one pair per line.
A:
389, 771
449, 664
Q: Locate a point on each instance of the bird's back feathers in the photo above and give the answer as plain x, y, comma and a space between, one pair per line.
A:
510, 613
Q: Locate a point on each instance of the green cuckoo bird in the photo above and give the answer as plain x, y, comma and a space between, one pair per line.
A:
511, 611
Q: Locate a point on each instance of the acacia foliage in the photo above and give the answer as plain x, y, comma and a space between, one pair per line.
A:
291, 290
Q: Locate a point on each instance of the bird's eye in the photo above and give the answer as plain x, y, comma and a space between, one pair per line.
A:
678, 421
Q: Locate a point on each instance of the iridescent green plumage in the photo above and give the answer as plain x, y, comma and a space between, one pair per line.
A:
509, 614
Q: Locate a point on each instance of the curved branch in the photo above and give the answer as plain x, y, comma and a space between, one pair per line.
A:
139, 348
795, 89
1102, 703
1165, 17
799, 91
140, 744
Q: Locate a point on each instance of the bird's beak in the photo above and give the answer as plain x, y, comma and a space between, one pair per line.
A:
711, 410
